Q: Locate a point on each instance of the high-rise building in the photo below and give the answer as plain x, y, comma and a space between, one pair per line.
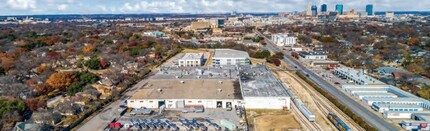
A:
309, 10
339, 9
369, 10
323, 8
314, 9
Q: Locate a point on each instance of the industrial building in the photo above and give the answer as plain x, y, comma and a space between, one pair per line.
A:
252, 87
223, 57
261, 90
209, 93
358, 77
284, 40
191, 59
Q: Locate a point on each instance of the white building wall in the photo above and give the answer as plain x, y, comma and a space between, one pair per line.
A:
284, 40
173, 103
267, 102
231, 61
316, 57
397, 115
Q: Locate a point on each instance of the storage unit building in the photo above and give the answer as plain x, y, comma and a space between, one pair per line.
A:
361, 95
396, 107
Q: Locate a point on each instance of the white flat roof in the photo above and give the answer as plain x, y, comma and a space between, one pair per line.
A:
398, 106
358, 75
366, 89
192, 56
230, 53
347, 86
394, 99
374, 94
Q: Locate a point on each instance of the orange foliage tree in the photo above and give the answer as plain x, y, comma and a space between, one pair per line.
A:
88, 49
34, 103
60, 80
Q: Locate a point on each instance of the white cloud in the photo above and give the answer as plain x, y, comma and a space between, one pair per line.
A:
21, 4
62, 7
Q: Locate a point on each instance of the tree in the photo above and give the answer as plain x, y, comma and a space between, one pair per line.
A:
262, 54
93, 63
88, 49
34, 103
103, 64
75, 88
59, 80
2, 71
424, 93
88, 78
415, 68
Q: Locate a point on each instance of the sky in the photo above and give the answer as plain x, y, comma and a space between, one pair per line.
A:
31, 7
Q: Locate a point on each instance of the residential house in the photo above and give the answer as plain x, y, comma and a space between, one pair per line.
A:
45, 116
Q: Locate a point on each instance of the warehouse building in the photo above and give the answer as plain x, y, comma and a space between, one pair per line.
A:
209, 93
261, 90
396, 107
191, 59
358, 77
222, 57
252, 87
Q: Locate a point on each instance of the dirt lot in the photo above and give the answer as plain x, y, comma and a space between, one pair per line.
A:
273, 120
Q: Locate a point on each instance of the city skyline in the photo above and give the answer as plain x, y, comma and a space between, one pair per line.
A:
40, 7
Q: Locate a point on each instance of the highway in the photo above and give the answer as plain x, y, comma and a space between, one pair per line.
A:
368, 116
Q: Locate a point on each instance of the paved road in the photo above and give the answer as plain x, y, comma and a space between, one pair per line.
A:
109, 113
371, 118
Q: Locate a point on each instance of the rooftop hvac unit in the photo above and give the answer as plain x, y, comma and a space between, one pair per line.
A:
159, 90
219, 90
182, 82
219, 82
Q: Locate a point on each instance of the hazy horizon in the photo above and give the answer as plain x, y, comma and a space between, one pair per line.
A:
57, 7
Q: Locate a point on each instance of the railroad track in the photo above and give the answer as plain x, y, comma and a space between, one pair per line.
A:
319, 99
311, 126
328, 106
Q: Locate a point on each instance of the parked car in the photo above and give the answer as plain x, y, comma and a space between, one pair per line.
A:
337, 83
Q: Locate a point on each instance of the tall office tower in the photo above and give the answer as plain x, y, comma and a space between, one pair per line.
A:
314, 10
369, 10
339, 9
323, 8
309, 10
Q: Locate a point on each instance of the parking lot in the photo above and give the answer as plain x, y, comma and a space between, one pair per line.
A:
210, 118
